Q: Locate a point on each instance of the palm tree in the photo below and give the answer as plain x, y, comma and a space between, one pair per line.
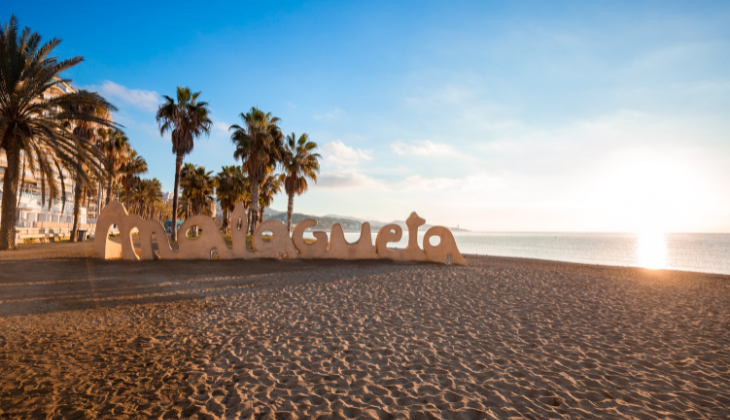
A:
147, 195
270, 187
186, 119
232, 187
115, 146
90, 190
259, 145
198, 188
84, 129
33, 123
134, 166
299, 164
162, 210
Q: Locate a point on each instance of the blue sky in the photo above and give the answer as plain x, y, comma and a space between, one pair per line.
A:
520, 116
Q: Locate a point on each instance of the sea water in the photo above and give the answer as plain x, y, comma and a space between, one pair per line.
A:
702, 252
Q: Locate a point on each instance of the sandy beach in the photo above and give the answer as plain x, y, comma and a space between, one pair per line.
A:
502, 338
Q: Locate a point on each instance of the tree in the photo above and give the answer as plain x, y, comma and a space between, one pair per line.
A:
186, 119
90, 190
146, 200
86, 130
198, 188
147, 194
300, 163
115, 146
269, 188
32, 123
134, 166
259, 145
232, 187
162, 210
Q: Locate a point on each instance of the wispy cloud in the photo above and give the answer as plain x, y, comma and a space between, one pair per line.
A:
339, 154
341, 167
221, 127
449, 94
146, 100
422, 148
333, 115
347, 180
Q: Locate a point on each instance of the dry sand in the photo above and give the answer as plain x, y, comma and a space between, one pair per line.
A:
82, 338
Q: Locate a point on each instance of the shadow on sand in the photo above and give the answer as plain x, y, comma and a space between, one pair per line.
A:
64, 277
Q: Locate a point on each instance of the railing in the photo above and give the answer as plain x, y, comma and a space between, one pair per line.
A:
58, 225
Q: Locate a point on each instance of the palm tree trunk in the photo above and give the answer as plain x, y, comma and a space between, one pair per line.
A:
78, 190
289, 212
98, 201
22, 182
178, 166
126, 195
199, 210
250, 221
109, 189
254, 203
10, 191
225, 220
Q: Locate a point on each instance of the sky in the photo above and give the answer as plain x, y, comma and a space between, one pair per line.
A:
493, 116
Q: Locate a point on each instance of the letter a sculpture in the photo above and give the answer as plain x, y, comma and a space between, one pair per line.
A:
279, 246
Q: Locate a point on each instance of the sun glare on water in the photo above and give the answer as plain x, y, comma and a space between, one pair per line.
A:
652, 250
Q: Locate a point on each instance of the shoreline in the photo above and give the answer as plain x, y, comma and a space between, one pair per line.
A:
503, 337
8, 255
527, 260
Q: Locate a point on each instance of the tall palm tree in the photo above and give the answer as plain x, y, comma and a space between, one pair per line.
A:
232, 187
186, 119
134, 166
198, 188
162, 210
259, 145
86, 130
185, 205
300, 163
116, 147
269, 188
146, 195
33, 123
90, 190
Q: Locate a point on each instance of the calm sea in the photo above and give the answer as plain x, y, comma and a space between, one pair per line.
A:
703, 252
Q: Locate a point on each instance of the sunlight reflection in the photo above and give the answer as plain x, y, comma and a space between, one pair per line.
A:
652, 250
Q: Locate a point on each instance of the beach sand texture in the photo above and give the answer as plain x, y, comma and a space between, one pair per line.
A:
84, 338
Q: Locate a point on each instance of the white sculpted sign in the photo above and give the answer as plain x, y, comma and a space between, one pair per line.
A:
279, 245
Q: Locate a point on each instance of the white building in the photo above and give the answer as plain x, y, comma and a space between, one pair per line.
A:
168, 196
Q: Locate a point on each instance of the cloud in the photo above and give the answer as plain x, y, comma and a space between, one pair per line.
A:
339, 154
221, 127
334, 115
449, 94
144, 99
347, 180
341, 167
422, 148
471, 184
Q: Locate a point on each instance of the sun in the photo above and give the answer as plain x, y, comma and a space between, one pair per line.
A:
652, 194
651, 250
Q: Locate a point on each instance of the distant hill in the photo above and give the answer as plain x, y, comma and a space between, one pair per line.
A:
348, 223
324, 222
